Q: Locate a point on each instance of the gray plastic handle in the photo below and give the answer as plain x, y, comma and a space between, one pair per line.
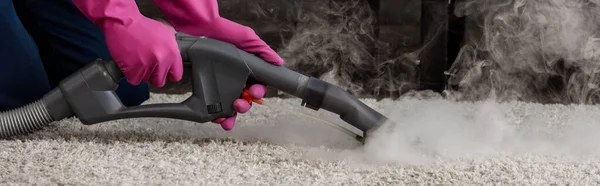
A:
220, 73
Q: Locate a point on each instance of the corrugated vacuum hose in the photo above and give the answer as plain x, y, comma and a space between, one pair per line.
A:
23, 120
34, 116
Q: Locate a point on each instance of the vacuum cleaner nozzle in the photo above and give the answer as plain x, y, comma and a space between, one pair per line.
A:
316, 94
220, 73
320, 94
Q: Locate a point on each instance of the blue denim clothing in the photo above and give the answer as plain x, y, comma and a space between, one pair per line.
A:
44, 41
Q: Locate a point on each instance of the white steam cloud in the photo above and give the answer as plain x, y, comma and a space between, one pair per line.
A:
530, 50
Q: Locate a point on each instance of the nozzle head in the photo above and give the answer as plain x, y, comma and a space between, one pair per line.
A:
320, 94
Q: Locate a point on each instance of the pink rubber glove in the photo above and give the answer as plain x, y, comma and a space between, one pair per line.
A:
201, 18
145, 50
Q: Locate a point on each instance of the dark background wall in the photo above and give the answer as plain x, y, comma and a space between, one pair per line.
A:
373, 48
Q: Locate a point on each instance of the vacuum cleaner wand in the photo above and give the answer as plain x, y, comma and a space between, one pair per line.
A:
220, 73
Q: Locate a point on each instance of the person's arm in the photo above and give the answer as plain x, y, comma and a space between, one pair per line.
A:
187, 15
103, 12
202, 18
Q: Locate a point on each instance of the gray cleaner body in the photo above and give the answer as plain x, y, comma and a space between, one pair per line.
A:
220, 72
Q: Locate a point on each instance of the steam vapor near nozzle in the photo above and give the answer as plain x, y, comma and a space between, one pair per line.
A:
334, 42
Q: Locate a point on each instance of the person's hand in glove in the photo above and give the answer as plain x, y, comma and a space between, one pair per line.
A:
254, 93
145, 50
201, 18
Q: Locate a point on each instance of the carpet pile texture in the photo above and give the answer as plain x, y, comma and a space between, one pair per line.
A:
431, 141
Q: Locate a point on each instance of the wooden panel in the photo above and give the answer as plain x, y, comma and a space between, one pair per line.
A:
399, 23
434, 58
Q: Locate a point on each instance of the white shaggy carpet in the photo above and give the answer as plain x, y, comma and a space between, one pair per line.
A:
433, 142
